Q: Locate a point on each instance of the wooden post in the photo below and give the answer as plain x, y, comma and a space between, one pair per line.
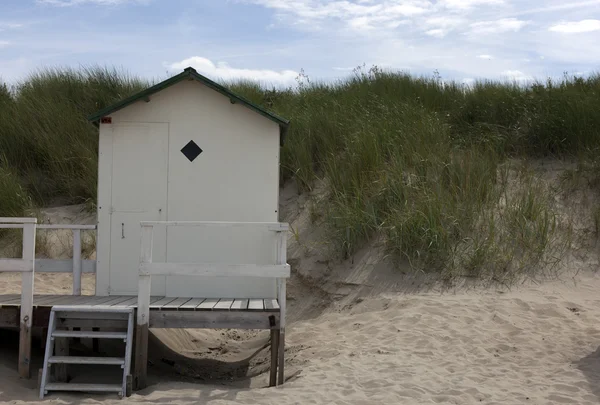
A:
274, 358
143, 313
27, 278
281, 298
76, 262
281, 295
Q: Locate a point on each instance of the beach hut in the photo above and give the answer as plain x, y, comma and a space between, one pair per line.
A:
188, 232
187, 149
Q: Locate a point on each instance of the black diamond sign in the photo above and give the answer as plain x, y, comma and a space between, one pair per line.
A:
191, 151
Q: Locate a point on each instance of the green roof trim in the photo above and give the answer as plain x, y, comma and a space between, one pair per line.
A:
191, 73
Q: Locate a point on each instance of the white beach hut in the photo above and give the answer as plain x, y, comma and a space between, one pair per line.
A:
187, 149
187, 236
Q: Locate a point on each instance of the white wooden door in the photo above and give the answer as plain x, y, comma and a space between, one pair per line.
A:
139, 193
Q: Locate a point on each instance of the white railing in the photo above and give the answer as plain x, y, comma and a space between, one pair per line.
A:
280, 271
27, 266
76, 264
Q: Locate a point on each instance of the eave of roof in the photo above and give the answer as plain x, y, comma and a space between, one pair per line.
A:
191, 73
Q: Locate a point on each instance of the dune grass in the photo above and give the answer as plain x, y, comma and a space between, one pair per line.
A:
419, 161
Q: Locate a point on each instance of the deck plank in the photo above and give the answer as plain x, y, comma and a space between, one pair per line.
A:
271, 305
116, 299
207, 304
78, 300
223, 305
42, 300
192, 304
61, 300
239, 305
10, 300
94, 301
161, 302
153, 299
176, 303
127, 303
256, 304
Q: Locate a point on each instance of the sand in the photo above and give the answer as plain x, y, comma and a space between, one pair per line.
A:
537, 344
362, 332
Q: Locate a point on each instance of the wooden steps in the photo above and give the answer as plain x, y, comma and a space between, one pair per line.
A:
57, 344
83, 387
107, 361
89, 334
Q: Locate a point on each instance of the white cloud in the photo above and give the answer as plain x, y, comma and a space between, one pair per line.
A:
359, 15
222, 70
438, 33
498, 27
576, 27
517, 75
487, 57
9, 26
4, 44
467, 4
66, 3
443, 25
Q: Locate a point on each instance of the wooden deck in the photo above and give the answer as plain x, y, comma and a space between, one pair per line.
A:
156, 303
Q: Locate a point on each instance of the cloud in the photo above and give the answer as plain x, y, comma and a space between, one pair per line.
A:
443, 25
4, 44
487, 57
222, 70
559, 7
438, 33
517, 75
359, 15
498, 27
67, 3
576, 27
9, 26
467, 4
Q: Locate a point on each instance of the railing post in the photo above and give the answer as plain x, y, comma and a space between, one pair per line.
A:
143, 312
26, 316
281, 296
76, 262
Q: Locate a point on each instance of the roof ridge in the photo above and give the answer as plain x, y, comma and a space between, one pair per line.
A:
191, 72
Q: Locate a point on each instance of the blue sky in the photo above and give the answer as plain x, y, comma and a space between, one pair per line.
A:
271, 40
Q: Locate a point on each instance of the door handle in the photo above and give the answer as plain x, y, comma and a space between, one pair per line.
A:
122, 230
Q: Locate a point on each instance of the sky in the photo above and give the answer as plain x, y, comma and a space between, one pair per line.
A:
271, 41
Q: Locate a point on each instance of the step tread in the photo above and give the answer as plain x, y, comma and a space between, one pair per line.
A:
83, 387
86, 360
89, 334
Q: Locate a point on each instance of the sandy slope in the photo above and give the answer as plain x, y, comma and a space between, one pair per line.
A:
538, 344
361, 332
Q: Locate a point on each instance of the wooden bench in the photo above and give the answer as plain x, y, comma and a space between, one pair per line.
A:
236, 313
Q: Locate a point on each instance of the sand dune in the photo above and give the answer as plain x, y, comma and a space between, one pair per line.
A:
361, 332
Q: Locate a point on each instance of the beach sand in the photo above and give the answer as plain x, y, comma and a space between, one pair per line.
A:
365, 332
536, 344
